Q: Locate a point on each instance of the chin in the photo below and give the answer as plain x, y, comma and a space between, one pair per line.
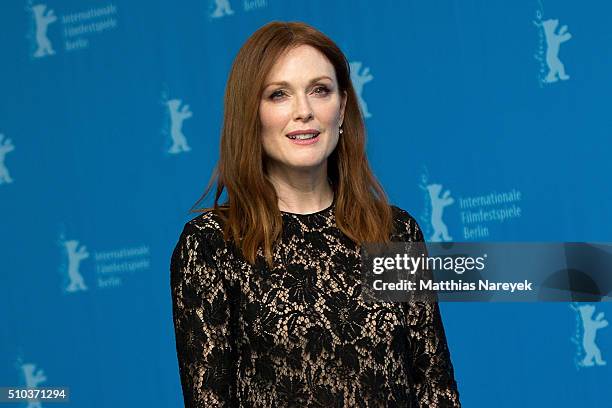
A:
306, 164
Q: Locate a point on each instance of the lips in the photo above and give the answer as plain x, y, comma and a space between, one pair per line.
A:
303, 132
304, 139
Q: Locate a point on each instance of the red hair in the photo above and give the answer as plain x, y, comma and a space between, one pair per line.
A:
251, 215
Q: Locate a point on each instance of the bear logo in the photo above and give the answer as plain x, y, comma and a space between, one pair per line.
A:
223, 8
5, 147
177, 117
42, 18
556, 69
75, 254
33, 377
438, 203
359, 79
590, 326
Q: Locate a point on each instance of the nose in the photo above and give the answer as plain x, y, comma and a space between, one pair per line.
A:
302, 109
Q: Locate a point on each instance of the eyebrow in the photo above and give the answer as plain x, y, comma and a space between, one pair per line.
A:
285, 83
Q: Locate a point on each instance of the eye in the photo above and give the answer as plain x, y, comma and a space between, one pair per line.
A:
276, 94
323, 90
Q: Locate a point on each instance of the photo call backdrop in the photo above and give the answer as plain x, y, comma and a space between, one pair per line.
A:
487, 120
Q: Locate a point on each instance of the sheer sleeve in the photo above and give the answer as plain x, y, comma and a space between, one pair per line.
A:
432, 369
201, 313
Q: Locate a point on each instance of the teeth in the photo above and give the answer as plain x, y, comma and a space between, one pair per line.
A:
304, 136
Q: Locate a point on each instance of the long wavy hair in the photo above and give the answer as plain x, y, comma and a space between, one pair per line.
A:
251, 216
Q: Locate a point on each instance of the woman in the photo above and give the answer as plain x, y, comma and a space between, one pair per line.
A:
266, 294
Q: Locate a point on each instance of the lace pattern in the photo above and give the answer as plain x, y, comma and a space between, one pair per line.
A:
300, 335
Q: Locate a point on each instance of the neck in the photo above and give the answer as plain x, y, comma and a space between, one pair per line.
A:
302, 192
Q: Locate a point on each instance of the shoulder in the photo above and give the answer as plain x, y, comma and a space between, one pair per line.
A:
200, 252
207, 223
204, 232
405, 225
199, 255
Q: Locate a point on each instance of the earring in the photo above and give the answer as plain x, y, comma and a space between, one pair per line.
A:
340, 131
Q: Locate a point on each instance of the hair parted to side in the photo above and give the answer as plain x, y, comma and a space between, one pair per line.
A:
251, 215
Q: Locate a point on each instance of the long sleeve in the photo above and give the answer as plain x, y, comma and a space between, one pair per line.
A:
201, 313
433, 372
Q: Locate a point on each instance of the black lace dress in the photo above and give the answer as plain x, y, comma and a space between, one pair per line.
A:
300, 335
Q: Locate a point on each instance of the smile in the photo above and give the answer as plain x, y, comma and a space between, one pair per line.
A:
305, 138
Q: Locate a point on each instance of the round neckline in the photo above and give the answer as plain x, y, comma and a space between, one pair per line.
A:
314, 213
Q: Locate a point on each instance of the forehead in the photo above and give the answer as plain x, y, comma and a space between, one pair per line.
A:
303, 61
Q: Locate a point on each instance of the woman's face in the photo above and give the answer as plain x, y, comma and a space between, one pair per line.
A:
301, 93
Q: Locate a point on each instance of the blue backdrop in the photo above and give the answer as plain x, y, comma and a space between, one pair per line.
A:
487, 120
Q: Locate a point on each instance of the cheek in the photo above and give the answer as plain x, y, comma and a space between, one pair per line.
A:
273, 118
329, 113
